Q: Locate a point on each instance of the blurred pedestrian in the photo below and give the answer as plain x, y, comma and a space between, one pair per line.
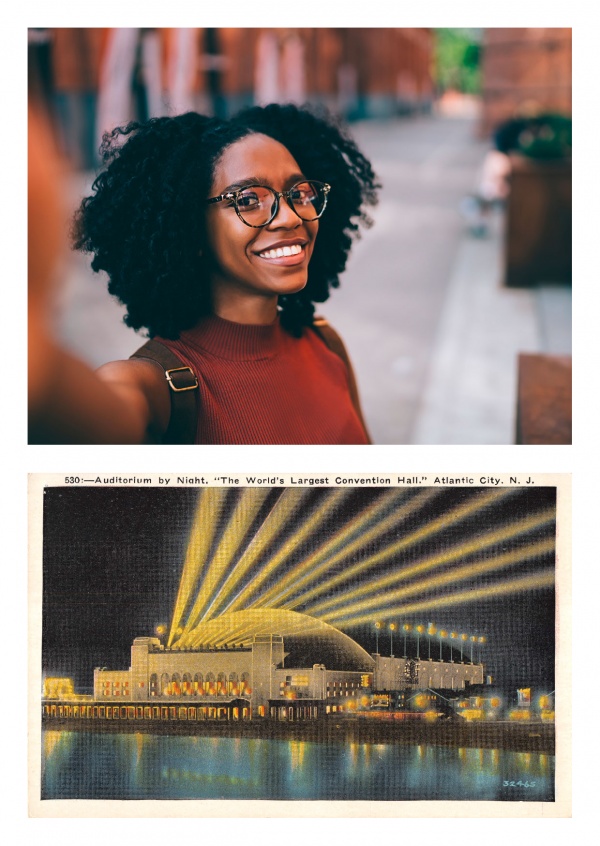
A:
219, 237
75, 60
531, 132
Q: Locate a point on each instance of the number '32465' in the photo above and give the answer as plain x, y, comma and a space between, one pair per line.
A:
519, 783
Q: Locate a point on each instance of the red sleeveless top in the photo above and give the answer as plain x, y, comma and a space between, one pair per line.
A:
260, 385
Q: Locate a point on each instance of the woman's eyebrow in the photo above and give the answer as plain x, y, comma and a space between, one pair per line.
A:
261, 180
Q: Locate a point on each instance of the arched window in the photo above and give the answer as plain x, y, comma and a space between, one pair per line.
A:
245, 689
234, 684
210, 685
198, 684
176, 684
186, 684
154, 690
221, 684
165, 684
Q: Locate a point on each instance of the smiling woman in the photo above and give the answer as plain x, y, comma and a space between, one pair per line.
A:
219, 237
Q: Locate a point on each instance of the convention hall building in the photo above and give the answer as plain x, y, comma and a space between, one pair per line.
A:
305, 670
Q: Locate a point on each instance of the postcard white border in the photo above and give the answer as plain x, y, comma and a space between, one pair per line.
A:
561, 807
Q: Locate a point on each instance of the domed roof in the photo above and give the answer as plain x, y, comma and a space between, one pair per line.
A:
307, 641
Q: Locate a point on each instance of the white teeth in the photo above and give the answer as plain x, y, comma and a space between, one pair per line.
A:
282, 251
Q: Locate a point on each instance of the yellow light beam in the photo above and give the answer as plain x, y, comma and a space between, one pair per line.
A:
433, 526
331, 501
462, 549
349, 537
249, 504
216, 632
202, 532
460, 574
287, 505
344, 535
193, 615
247, 633
227, 629
543, 579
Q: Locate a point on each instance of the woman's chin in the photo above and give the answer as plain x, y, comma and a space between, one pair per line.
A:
292, 289
289, 284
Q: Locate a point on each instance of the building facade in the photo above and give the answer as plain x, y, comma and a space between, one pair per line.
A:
525, 71
418, 674
258, 676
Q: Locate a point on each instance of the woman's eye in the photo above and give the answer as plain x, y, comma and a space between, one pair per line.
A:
303, 195
248, 200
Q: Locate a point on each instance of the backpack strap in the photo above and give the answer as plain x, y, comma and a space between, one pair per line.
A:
333, 341
184, 391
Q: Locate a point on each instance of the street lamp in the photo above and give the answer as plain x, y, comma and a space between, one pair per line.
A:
419, 629
406, 628
442, 634
482, 640
377, 627
473, 640
453, 636
392, 630
431, 630
463, 638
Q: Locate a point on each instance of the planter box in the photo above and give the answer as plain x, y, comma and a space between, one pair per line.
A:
538, 225
544, 399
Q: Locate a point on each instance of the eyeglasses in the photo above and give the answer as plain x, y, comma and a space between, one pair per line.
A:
257, 205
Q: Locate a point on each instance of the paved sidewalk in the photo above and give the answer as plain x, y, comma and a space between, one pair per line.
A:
469, 396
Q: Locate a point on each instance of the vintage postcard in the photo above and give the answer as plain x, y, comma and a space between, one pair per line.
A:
340, 645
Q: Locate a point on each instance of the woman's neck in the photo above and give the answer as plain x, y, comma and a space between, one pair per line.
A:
243, 309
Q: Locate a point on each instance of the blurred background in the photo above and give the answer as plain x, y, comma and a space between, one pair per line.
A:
456, 306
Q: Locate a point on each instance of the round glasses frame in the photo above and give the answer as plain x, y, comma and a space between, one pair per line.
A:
279, 195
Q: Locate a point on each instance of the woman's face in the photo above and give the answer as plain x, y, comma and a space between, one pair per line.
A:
244, 259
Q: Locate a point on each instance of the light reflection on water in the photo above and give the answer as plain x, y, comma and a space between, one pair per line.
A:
81, 765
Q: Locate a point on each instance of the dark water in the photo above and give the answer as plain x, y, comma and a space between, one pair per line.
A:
81, 765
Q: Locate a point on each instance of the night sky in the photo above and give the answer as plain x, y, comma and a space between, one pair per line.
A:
113, 558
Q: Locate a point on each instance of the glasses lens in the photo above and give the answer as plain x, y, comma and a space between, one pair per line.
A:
255, 204
308, 199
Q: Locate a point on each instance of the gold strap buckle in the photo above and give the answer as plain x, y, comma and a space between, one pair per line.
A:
173, 386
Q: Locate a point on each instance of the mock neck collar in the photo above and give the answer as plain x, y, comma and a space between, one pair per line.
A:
235, 341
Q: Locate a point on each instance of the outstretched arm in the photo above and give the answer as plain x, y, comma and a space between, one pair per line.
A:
125, 402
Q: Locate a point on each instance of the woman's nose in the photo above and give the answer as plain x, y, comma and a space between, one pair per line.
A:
285, 216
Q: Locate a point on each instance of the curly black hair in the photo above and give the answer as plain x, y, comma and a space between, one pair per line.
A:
144, 222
